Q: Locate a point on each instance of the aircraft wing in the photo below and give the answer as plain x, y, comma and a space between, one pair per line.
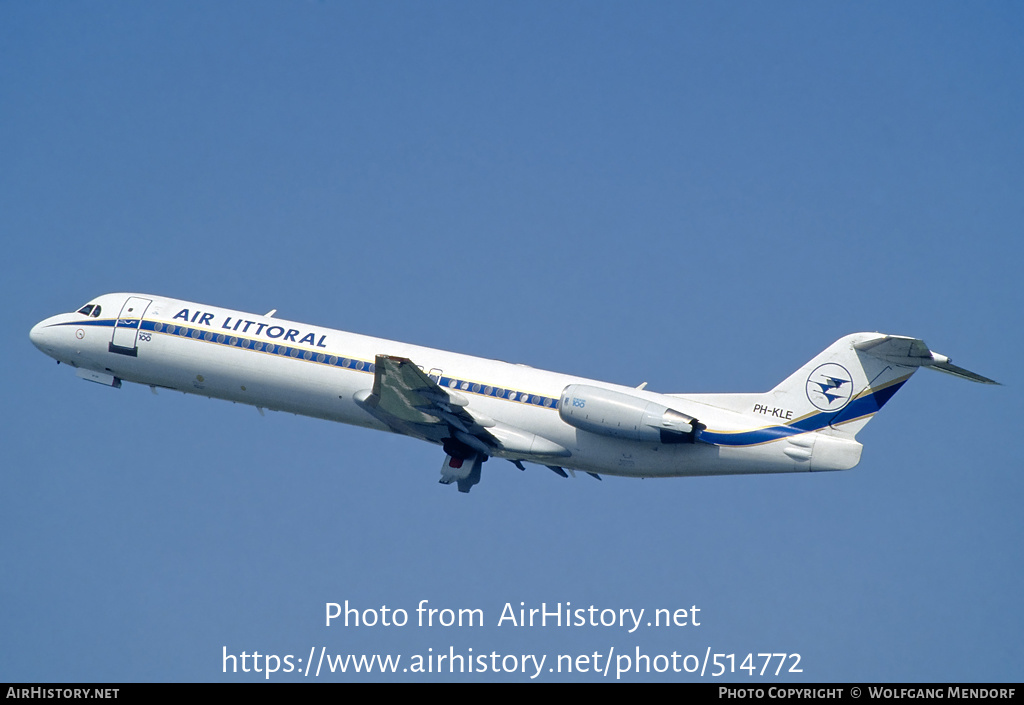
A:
409, 402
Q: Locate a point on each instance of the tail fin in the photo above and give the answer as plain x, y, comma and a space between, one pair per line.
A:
846, 384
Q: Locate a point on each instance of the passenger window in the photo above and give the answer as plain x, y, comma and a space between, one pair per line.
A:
86, 310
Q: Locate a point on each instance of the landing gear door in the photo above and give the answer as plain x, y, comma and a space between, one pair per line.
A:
126, 328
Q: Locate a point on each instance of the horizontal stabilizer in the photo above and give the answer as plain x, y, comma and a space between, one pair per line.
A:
952, 369
912, 352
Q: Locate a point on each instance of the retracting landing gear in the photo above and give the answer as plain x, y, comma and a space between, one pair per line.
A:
461, 464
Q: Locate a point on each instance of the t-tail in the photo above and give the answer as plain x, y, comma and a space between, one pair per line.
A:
813, 416
842, 388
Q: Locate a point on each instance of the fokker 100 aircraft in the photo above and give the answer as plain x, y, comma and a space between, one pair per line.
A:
476, 408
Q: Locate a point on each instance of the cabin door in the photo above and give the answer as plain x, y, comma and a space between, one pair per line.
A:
126, 328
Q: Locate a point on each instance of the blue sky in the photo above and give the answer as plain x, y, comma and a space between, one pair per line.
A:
697, 195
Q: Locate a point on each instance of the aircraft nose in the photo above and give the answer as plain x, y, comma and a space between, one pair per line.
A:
43, 335
36, 335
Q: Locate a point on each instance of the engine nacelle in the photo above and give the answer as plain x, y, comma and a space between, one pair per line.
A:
621, 415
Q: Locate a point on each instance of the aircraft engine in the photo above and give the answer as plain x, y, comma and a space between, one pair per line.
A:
610, 413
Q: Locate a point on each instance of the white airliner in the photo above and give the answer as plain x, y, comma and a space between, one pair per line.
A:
477, 408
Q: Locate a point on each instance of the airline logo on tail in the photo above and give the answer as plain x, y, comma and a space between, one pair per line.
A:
829, 387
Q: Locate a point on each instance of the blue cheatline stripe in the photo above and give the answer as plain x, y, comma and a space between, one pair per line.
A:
95, 322
206, 335
864, 405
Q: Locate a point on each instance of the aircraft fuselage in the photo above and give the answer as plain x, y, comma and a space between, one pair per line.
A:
281, 365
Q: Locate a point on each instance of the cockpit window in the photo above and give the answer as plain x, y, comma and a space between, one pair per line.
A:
92, 310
